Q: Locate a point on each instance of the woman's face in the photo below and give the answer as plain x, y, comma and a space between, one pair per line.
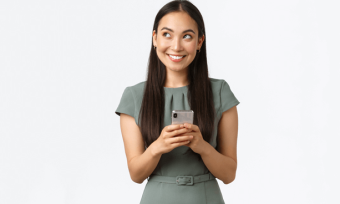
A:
177, 35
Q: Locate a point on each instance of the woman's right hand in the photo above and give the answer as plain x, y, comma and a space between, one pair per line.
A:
168, 139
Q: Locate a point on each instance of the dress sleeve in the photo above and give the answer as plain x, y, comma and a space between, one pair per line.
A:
228, 99
127, 103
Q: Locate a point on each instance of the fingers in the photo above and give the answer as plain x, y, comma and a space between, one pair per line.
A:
192, 127
181, 143
180, 139
170, 128
177, 132
171, 137
177, 144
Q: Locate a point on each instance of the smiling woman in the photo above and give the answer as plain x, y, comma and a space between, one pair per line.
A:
180, 163
177, 42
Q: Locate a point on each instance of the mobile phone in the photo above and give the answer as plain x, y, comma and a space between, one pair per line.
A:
182, 116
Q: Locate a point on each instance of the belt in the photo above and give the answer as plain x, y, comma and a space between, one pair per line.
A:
182, 180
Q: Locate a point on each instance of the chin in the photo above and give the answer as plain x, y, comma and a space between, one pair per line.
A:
175, 68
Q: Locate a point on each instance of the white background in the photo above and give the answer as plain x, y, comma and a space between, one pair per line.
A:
64, 66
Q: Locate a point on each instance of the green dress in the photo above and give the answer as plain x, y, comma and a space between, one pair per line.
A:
175, 163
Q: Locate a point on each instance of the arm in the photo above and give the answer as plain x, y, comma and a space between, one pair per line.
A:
223, 162
141, 163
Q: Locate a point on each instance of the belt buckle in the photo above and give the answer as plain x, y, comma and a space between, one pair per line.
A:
185, 180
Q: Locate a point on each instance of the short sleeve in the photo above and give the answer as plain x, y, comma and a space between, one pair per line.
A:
228, 99
126, 104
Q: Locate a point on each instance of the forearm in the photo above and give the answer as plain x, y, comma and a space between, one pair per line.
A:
221, 166
142, 166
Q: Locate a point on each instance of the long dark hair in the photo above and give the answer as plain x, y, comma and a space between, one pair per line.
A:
200, 95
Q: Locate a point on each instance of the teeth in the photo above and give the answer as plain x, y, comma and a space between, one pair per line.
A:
175, 57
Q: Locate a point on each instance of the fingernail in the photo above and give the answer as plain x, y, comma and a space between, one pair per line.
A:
181, 126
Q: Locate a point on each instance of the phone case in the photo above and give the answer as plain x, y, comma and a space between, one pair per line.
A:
182, 116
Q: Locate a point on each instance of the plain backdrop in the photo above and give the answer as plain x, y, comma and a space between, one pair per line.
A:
65, 64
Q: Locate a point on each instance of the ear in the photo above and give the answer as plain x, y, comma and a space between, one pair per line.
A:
200, 42
154, 38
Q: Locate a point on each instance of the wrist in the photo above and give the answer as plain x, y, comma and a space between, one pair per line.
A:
206, 149
154, 150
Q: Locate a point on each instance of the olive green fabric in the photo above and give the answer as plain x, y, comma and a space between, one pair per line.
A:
175, 163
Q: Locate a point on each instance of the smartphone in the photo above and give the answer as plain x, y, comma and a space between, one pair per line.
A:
182, 116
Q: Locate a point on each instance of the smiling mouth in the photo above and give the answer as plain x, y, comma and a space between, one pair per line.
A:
176, 57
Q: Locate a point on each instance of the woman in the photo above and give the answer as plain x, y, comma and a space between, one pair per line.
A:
181, 162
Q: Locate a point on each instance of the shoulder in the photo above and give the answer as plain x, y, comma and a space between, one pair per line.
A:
137, 90
217, 84
223, 96
137, 87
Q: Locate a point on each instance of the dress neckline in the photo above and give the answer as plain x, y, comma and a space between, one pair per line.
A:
183, 88
175, 87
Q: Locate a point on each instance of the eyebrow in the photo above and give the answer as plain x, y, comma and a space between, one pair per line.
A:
189, 30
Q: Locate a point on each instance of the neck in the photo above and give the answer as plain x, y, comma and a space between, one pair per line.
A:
176, 78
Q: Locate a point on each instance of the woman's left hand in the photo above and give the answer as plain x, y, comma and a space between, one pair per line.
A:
197, 144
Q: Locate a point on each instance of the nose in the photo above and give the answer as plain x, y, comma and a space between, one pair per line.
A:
176, 44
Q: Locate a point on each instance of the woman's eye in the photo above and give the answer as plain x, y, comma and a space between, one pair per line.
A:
165, 34
188, 35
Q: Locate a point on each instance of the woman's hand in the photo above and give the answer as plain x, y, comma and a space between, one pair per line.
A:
197, 144
168, 139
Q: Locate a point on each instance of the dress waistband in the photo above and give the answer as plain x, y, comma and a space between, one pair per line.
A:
181, 180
